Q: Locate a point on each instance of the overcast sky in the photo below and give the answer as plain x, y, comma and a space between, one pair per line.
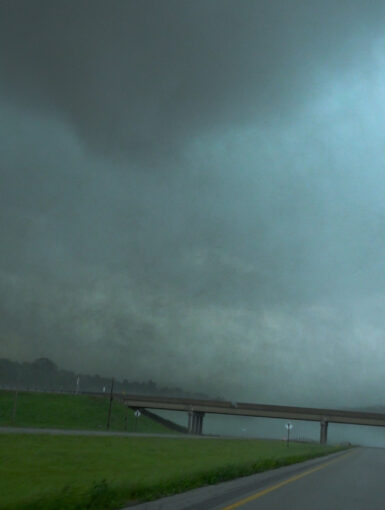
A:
194, 192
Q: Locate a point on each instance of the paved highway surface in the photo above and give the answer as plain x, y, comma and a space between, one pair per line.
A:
83, 432
353, 480
70, 432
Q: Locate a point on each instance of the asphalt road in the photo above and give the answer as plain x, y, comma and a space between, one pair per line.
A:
74, 432
353, 481
70, 432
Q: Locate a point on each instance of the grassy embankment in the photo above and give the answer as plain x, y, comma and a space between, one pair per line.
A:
42, 472
44, 410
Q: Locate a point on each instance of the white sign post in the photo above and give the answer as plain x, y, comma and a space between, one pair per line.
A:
288, 426
137, 414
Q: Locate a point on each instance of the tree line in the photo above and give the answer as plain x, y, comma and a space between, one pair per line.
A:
44, 375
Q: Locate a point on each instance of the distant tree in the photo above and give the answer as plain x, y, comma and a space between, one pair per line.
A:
45, 365
45, 373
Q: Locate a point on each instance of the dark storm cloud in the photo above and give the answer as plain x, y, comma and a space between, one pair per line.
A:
189, 188
139, 77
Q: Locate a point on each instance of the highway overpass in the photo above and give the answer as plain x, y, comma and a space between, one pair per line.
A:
196, 410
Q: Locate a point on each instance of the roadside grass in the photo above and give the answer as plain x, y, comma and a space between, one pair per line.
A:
44, 410
44, 472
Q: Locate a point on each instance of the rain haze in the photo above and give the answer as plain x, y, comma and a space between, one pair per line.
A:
193, 192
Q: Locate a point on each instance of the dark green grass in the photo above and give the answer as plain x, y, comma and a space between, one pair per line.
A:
44, 410
42, 472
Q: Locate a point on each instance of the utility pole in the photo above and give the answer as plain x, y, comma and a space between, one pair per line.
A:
110, 404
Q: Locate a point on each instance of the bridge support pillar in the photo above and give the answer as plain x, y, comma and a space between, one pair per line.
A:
195, 422
324, 432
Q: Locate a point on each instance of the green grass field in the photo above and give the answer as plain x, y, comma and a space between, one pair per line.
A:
43, 472
44, 410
